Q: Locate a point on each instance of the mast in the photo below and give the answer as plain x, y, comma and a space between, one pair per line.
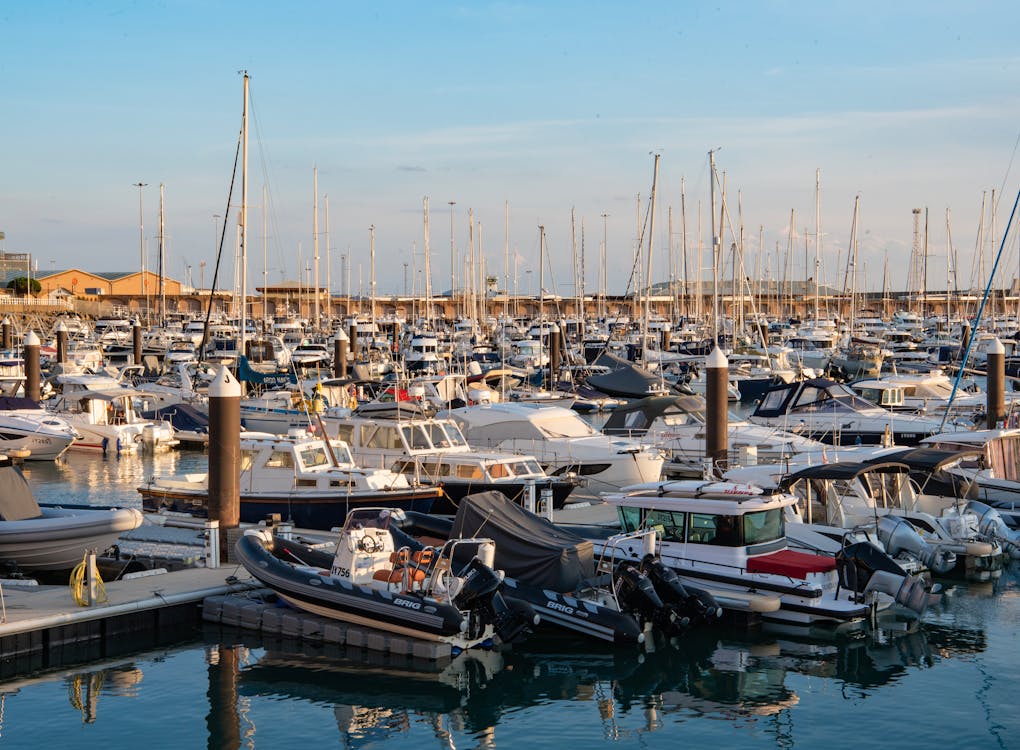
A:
818, 236
428, 264
648, 264
371, 261
244, 220
329, 279
683, 239
315, 240
715, 251
162, 260
265, 247
541, 275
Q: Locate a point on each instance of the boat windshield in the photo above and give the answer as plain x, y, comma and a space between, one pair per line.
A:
566, 426
368, 518
763, 526
835, 398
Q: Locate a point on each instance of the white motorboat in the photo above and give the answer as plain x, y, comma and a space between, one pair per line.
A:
304, 479
730, 539
676, 425
832, 413
562, 442
106, 415
26, 426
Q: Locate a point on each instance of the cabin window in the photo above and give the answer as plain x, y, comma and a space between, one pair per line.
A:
313, 456
499, 471
416, 437
280, 459
773, 401
455, 436
668, 522
630, 518
469, 472
525, 468
247, 459
344, 432
763, 526
708, 528
383, 437
437, 435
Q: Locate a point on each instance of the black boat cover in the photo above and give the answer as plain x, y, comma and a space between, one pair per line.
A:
625, 380
634, 419
182, 416
528, 547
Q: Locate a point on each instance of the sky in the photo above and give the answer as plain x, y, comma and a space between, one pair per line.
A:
549, 113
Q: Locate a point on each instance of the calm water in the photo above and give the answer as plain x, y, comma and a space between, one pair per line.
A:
952, 683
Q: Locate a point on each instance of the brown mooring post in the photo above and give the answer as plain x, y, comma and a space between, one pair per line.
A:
223, 721
8, 334
136, 330
61, 330
353, 336
340, 354
665, 339
554, 355
32, 379
995, 386
717, 373
224, 503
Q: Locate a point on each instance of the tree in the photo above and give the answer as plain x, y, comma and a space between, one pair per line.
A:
20, 285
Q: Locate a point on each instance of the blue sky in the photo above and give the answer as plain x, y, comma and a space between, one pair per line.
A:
545, 106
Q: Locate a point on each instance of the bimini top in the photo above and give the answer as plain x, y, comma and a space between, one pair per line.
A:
842, 471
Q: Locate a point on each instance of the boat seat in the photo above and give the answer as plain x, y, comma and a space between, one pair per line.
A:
415, 576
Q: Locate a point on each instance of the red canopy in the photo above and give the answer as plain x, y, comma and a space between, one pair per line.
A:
791, 563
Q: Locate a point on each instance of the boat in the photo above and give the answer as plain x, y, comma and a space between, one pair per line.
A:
562, 442
433, 451
555, 572
832, 413
308, 480
369, 581
26, 426
676, 426
874, 499
730, 539
37, 539
105, 413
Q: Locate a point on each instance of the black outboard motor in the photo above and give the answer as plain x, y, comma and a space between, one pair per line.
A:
513, 620
856, 563
480, 581
637, 595
694, 605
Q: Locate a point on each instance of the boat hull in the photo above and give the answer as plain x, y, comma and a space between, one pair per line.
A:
59, 538
304, 509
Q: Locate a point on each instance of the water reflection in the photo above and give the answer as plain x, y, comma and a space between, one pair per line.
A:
373, 698
83, 477
745, 682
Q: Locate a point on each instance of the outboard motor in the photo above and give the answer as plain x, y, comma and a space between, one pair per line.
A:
636, 594
480, 581
992, 525
897, 535
864, 568
693, 604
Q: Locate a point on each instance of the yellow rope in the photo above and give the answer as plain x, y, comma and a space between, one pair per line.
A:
79, 584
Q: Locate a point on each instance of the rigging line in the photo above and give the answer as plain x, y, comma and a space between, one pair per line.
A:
981, 309
1009, 167
219, 252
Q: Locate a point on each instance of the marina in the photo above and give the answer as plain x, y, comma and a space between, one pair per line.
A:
671, 454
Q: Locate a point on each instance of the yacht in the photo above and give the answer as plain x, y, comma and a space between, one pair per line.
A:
434, 451
308, 480
730, 539
562, 442
832, 413
26, 427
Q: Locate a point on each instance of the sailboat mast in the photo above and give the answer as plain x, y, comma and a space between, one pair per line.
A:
162, 260
428, 264
648, 265
818, 236
315, 240
715, 250
371, 259
244, 219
